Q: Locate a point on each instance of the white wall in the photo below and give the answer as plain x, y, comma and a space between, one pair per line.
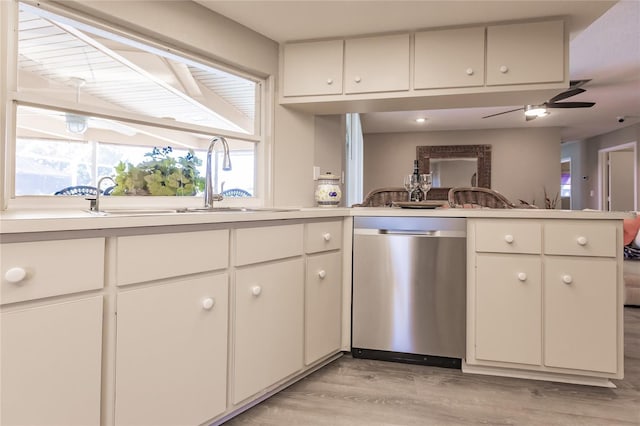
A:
524, 162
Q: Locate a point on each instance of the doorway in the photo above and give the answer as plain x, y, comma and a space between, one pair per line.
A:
565, 184
618, 171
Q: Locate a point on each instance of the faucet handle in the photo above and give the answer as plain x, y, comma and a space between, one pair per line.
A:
92, 203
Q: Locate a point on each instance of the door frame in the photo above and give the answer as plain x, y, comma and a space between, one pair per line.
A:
603, 174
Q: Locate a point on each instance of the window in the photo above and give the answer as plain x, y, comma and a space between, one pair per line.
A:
90, 102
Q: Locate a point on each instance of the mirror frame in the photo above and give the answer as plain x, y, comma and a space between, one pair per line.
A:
481, 152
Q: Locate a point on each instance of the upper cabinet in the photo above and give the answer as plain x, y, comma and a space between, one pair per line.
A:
313, 68
517, 63
525, 53
449, 58
377, 64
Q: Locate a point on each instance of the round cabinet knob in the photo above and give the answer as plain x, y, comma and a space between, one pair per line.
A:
357, 79
329, 81
504, 69
582, 241
469, 71
322, 273
567, 279
326, 237
256, 290
15, 275
522, 276
208, 303
508, 238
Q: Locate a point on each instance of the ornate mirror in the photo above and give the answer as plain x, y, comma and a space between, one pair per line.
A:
455, 165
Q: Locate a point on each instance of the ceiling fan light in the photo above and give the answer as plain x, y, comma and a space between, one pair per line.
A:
76, 123
535, 111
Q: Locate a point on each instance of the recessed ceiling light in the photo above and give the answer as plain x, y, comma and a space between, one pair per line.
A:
420, 120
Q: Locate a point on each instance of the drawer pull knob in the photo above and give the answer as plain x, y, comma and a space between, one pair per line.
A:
322, 273
208, 303
329, 81
504, 69
582, 241
256, 290
15, 275
357, 79
522, 276
469, 71
326, 236
508, 238
567, 279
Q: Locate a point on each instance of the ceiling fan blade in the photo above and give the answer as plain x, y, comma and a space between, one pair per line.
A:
573, 84
567, 94
530, 117
571, 105
503, 112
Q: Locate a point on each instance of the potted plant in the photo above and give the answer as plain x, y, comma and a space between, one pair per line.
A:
160, 174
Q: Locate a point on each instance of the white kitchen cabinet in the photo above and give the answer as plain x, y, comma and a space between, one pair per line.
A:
268, 325
449, 58
544, 299
526, 53
323, 306
51, 359
377, 64
171, 352
313, 68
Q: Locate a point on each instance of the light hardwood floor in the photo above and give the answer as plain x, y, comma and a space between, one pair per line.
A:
364, 392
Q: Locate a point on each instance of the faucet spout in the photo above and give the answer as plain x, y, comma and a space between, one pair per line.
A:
95, 204
209, 196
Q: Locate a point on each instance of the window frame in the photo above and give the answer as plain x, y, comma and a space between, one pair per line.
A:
11, 98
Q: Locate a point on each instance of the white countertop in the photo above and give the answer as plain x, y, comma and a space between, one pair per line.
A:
34, 220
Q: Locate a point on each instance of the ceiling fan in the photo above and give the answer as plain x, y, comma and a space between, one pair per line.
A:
531, 112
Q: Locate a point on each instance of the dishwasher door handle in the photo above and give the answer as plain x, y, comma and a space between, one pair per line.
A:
411, 233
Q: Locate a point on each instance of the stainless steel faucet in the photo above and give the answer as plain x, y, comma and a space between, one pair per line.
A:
209, 196
95, 203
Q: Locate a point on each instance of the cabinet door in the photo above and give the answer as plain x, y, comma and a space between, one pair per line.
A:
268, 325
323, 307
377, 64
525, 53
449, 58
580, 313
313, 68
171, 357
51, 364
508, 308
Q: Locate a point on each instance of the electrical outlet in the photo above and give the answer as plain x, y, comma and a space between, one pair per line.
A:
316, 172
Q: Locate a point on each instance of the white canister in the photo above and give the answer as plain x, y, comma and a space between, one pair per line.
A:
328, 193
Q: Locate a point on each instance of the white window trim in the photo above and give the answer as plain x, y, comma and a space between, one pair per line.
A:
10, 98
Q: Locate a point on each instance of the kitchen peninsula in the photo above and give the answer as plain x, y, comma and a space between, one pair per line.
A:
206, 314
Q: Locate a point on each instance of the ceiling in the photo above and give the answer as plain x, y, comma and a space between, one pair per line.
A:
605, 47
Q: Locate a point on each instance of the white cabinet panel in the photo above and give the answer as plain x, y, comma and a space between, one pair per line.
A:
449, 58
377, 64
580, 307
580, 238
313, 68
508, 308
268, 327
323, 236
525, 53
51, 364
171, 359
255, 245
509, 236
323, 305
51, 268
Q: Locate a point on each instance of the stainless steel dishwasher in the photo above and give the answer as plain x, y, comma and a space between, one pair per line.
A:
409, 289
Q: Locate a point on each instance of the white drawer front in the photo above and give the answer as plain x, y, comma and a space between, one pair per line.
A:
323, 236
50, 268
255, 245
508, 236
150, 257
580, 238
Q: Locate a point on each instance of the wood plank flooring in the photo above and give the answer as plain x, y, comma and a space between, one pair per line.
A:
357, 392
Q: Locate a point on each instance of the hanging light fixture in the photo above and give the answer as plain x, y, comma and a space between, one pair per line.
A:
535, 111
76, 123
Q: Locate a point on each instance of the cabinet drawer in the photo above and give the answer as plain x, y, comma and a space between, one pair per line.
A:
323, 236
255, 245
150, 257
52, 268
506, 236
580, 238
